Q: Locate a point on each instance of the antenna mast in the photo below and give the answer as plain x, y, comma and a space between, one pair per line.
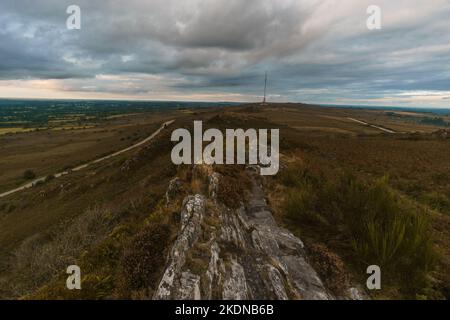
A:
265, 88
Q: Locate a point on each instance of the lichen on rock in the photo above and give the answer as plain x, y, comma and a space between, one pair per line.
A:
246, 254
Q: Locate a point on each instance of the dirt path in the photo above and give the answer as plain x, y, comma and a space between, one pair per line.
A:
60, 174
372, 125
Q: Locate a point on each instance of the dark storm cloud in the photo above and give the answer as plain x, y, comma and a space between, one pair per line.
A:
311, 48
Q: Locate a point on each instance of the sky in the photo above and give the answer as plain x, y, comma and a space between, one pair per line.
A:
315, 51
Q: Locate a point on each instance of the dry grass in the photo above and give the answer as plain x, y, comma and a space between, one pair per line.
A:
47, 152
378, 226
418, 171
44, 256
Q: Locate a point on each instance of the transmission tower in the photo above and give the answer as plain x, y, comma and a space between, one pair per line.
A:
265, 89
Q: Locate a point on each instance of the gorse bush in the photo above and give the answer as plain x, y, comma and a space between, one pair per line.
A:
382, 227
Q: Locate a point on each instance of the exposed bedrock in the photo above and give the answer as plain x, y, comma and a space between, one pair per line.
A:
222, 253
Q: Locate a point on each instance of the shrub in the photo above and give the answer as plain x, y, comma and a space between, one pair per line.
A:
386, 230
300, 204
383, 228
392, 234
49, 178
145, 256
29, 174
233, 185
330, 267
229, 192
296, 177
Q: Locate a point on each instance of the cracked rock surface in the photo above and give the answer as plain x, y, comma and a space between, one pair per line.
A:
239, 253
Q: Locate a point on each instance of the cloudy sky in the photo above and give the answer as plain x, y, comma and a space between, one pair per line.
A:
317, 51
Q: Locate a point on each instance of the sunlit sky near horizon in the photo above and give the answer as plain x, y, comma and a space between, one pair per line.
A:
315, 51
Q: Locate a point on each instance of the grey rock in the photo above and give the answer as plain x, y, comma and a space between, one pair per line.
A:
173, 190
354, 293
213, 186
213, 276
235, 285
191, 219
189, 287
277, 282
247, 255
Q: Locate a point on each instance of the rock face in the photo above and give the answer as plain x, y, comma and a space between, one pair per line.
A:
176, 283
173, 189
238, 254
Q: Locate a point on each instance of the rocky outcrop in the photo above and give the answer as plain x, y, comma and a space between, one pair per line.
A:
174, 188
221, 253
177, 283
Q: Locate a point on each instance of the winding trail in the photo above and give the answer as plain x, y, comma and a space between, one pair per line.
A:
84, 166
372, 125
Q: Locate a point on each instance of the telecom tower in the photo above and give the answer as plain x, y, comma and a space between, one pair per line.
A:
265, 89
